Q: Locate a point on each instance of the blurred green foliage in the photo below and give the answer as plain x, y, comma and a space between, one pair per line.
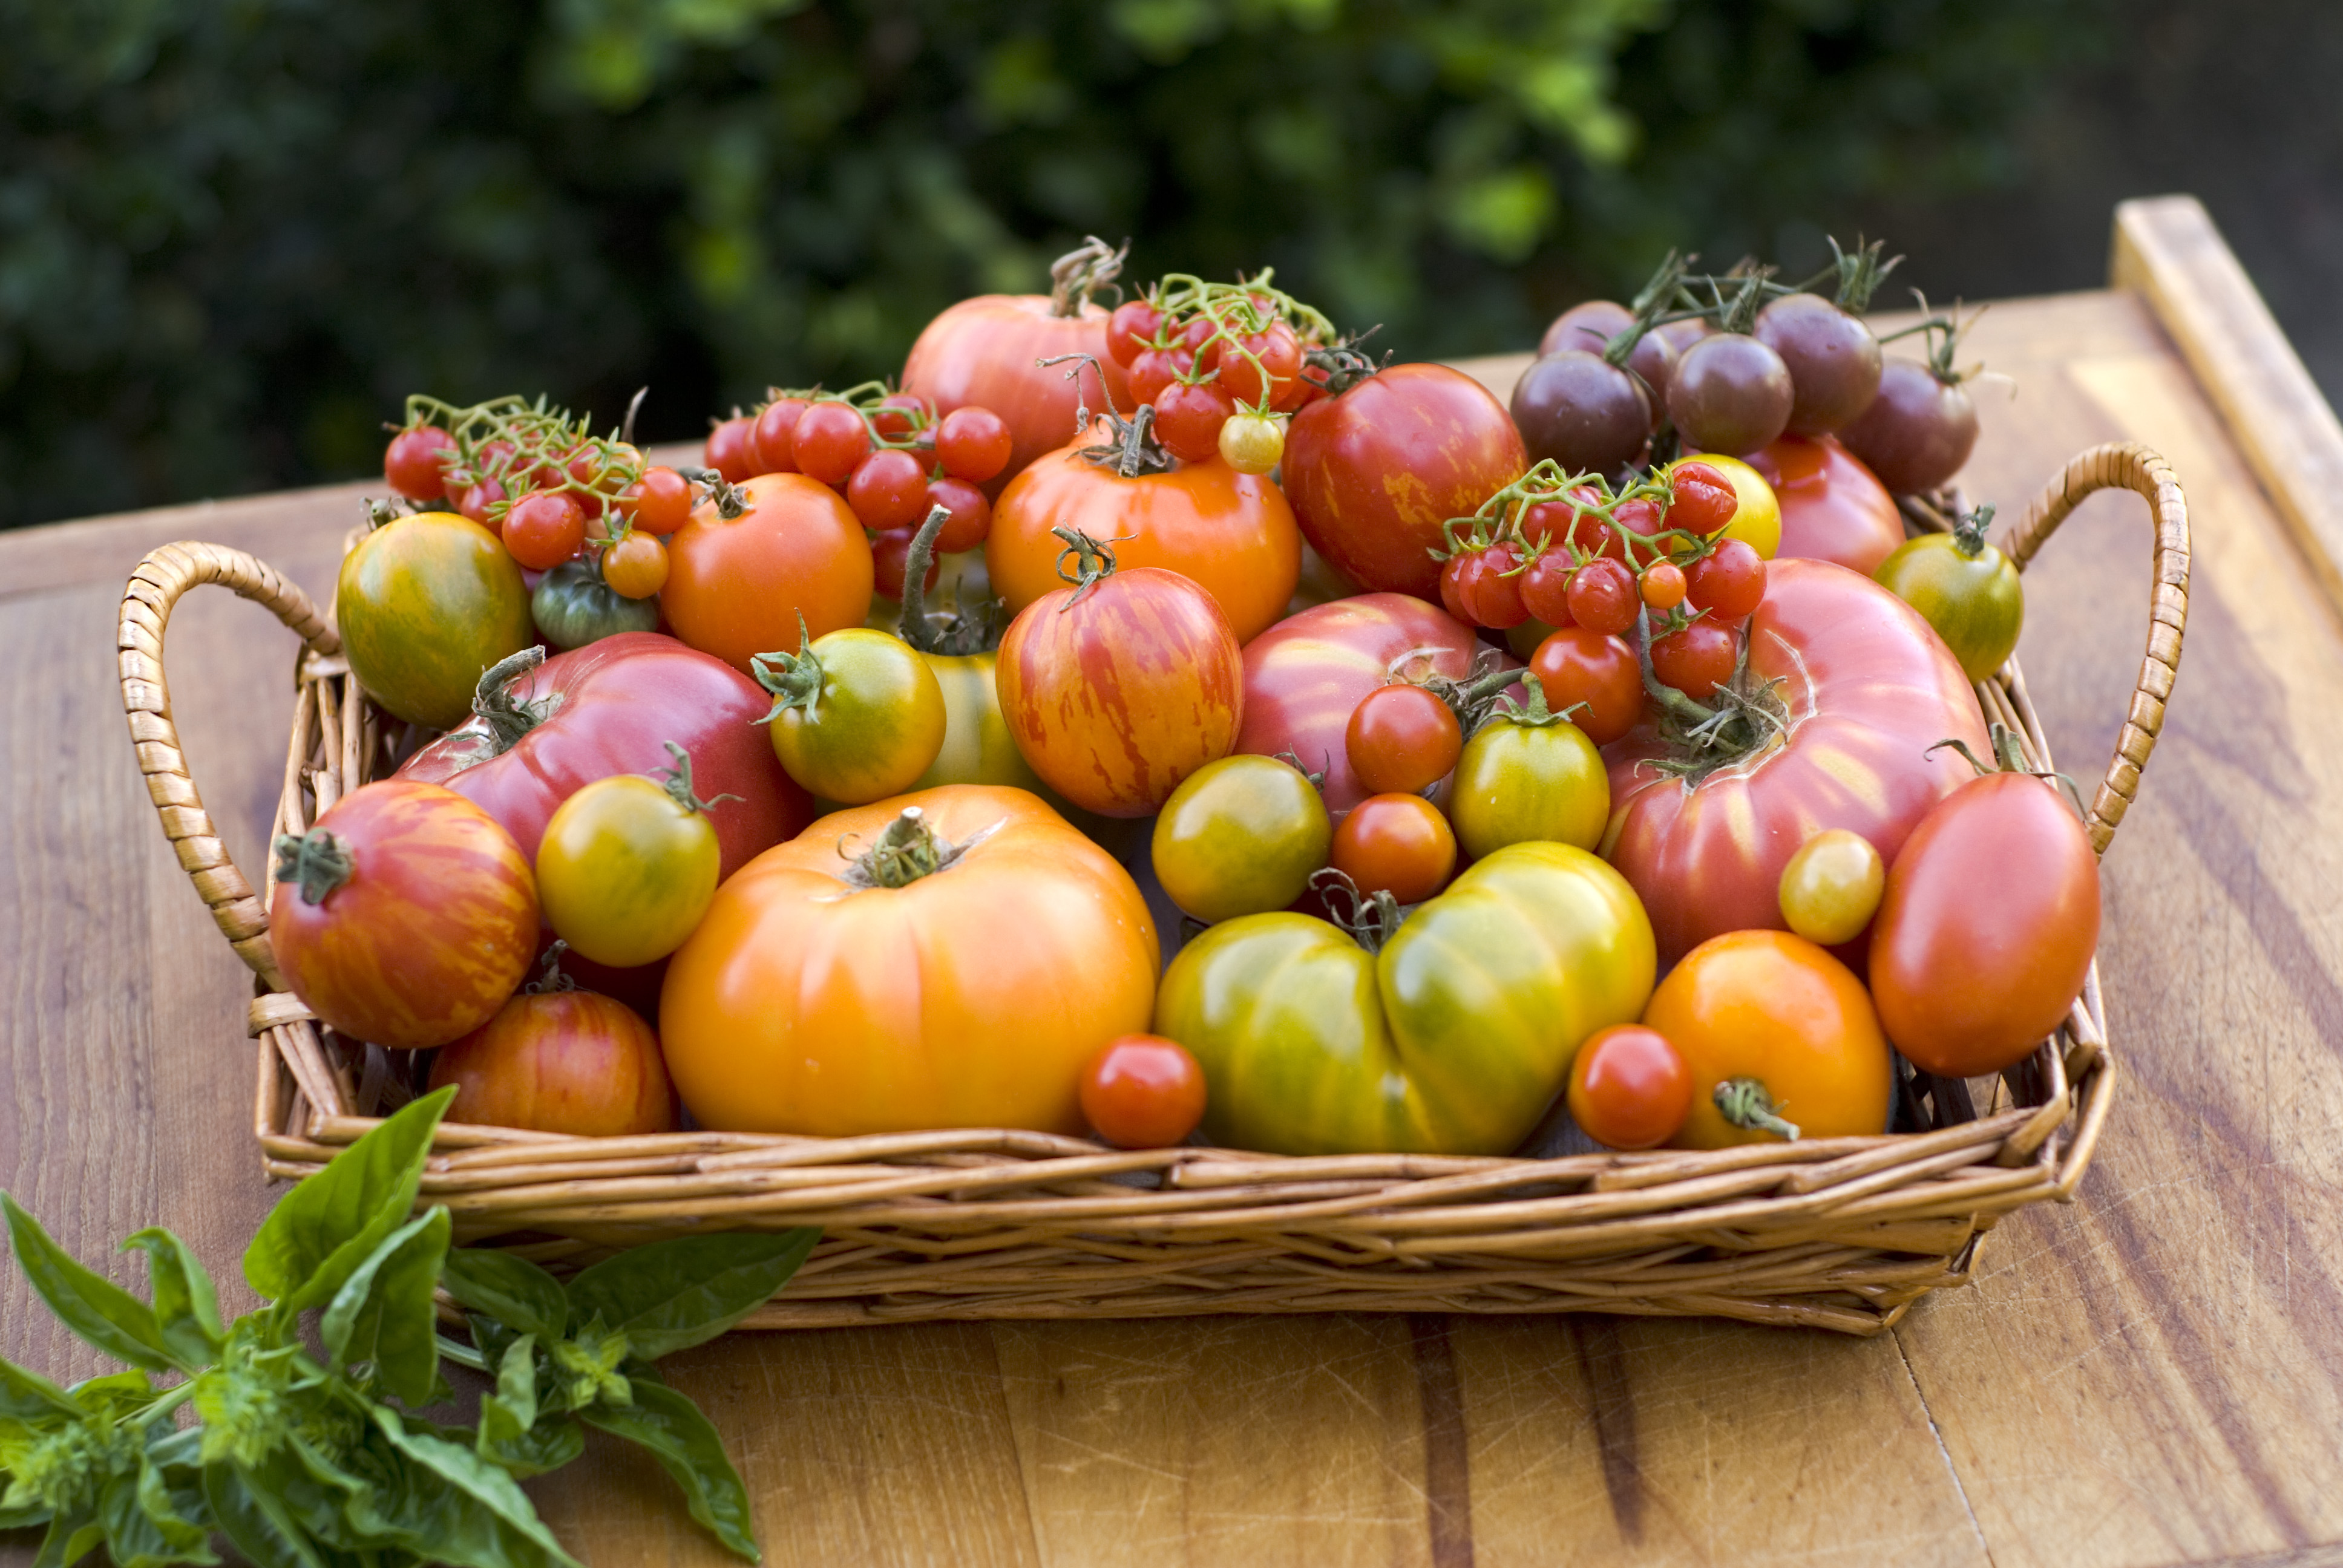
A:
235, 232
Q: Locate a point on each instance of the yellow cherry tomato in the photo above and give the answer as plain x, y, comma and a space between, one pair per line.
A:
627, 867
1831, 888
1241, 836
636, 567
1759, 524
858, 714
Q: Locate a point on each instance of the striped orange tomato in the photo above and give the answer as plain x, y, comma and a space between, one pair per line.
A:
1117, 688
405, 917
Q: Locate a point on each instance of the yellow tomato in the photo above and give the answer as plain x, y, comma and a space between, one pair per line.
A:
977, 745
625, 869
1758, 523
859, 715
1832, 887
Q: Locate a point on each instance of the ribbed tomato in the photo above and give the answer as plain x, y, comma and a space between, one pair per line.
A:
1374, 471
1231, 533
1866, 687
737, 584
1832, 508
568, 1062
405, 917
426, 604
983, 351
960, 983
1117, 691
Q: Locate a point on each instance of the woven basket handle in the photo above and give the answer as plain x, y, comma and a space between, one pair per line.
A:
165, 575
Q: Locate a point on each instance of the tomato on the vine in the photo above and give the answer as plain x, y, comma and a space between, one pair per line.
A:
1663, 585
971, 519
1156, 369
662, 501
829, 441
1698, 659
544, 529
1592, 678
1395, 844
415, 462
1602, 596
1131, 329
1188, 419
1629, 1088
627, 866
1545, 587
973, 444
1756, 517
1274, 352
636, 567
728, 450
897, 413
1705, 500
888, 490
1142, 1091
857, 715
1729, 582
1403, 739
772, 440
1475, 587
1251, 442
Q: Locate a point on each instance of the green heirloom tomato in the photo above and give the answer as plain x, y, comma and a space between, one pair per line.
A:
1965, 587
977, 747
573, 607
1241, 837
1452, 1038
1528, 775
426, 605
627, 865
859, 715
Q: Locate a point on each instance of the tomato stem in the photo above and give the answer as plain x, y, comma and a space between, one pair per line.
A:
316, 860
1081, 272
1093, 562
1746, 1103
552, 980
1968, 531
793, 678
961, 633
677, 781
908, 848
508, 718
1373, 918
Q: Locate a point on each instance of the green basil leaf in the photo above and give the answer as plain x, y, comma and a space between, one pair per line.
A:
29, 1396
24, 1518
668, 1296
254, 1521
552, 1443
316, 1494
513, 1290
175, 1448
383, 1312
90, 1305
318, 1234
185, 1305
116, 1395
457, 1507
516, 1380
684, 1441
462, 1354
69, 1540
145, 1527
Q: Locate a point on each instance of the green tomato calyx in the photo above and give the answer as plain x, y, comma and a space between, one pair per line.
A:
1968, 533
1746, 1103
907, 849
677, 781
1530, 715
316, 860
793, 678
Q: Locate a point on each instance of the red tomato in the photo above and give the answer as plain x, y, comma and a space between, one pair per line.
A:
1575, 665
1629, 1088
1697, 660
544, 529
897, 412
1984, 935
662, 501
1130, 329
1156, 370
1395, 844
1188, 419
1142, 1091
890, 564
1869, 687
830, 442
1305, 675
1832, 508
1729, 581
971, 515
1602, 596
983, 351
415, 461
1274, 351
729, 452
736, 586
889, 490
772, 440
408, 918
1475, 589
1705, 500
1546, 587
565, 1061
973, 444
1402, 740
1373, 472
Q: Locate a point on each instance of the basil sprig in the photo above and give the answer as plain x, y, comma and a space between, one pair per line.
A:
306, 1462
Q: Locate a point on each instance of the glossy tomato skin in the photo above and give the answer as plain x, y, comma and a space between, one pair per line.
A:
626, 870
1305, 675
571, 1062
1629, 1088
971, 997
1775, 1007
1757, 520
1869, 687
1401, 739
1977, 603
1453, 1039
1115, 698
1143, 1091
977, 747
434, 928
1832, 887
736, 586
1832, 508
1375, 472
1519, 782
874, 727
1239, 837
426, 605
981, 351
610, 708
1577, 666
1987, 928
1395, 844
1230, 533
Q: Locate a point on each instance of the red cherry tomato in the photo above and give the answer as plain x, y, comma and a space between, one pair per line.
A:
973, 444
1476, 589
1729, 582
772, 440
474, 500
1156, 369
1395, 844
1198, 339
1629, 1088
729, 452
1698, 659
1663, 585
1578, 665
971, 514
1188, 419
831, 439
1546, 587
1130, 330
415, 461
888, 490
1142, 1091
1705, 500
1274, 351
662, 501
1603, 596
544, 529
897, 413
1403, 740
890, 564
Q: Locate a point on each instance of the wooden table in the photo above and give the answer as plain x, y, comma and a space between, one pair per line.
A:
2144, 1377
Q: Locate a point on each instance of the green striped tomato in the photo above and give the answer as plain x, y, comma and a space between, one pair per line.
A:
426, 605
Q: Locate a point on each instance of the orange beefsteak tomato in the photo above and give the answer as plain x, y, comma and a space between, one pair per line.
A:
566, 1061
749, 563
961, 972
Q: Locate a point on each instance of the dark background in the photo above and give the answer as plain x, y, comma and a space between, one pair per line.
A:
233, 234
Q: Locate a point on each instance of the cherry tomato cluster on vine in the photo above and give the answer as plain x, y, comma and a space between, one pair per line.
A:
1217, 367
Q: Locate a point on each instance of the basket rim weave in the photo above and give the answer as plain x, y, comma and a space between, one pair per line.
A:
1839, 1233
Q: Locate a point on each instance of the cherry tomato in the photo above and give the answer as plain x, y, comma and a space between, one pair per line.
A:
626, 867
1523, 780
1698, 659
1757, 521
474, 500
728, 451
1143, 1091
1403, 740
898, 413
1188, 419
544, 529
1251, 442
1397, 844
1831, 888
857, 715
1603, 596
1239, 836
662, 501
1585, 530
1629, 1088
973, 444
1705, 500
1663, 585
416, 461
1130, 330
829, 440
890, 564
1729, 582
1578, 665
1546, 587
1274, 351
773, 441
1476, 589
889, 490
971, 514
636, 567
1155, 369
1967, 589
1201, 338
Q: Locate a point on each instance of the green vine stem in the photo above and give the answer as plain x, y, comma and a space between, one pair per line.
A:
505, 717
1746, 1103
316, 860
962, 634
908, 848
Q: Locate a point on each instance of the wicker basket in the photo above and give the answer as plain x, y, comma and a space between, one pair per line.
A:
1840, 1233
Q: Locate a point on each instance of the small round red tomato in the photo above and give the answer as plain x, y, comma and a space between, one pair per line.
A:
1663, 585
627, 866
636, 567
544, 529
772, 439
1395, 844
1729, 582
416, 461
1251, 442
1698, 659
1143, 1091
1705, 500
476, 500
1592, 679
736, 584
1273, 353
1546, 587
662, 501
1403, 740
1603, 597
831, 439
1629, 1089
1156, 369
888, 490
898, 413
1476, 589
890, 564
566, 1061
729, 452
973, 444
1188, 419
971, 514
1131, 329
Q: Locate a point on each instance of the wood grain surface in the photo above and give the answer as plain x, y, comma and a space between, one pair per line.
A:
2150, 1375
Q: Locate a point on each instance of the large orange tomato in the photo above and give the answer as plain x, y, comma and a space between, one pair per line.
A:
1832, 508
738, 577
568, 1062
960, 972
1118, 690
1230, 533
405, 917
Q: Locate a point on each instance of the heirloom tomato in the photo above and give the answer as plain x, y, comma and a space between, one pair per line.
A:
1401, 739
566, 1062
405, 917
1864, 690
1232, 534
857, 715
426, 605
756, 557
977, 747
1394, 844
1117, 688
1452, 1038
1986, 934
1528, 773
1305, 675
1832, 509
627, 865
1629, 1088
1375, 469
540, 733
1781, 1041
1143, 1091
1239, 837
1967, 590
573, 606
1592, 680
956, 965
1832, 885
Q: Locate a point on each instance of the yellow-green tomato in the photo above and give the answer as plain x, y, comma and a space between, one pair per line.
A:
859, 715
977, 747
1452, 1038
1520, 779
1965, 587
1831, 888
625, 869
1241, 837
426, 605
